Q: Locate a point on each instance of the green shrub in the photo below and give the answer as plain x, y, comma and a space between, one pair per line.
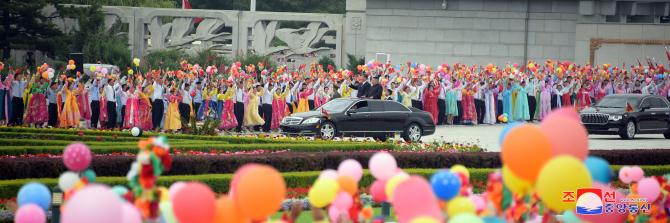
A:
353, 62
166, 59
324, 61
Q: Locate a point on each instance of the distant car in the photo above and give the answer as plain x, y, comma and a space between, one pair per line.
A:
628, 114
361, 118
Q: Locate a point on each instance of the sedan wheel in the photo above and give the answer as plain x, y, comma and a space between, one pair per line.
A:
327, 131
412, 133
629, 131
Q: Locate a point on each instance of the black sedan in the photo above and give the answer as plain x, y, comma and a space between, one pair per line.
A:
628, 114
360, 118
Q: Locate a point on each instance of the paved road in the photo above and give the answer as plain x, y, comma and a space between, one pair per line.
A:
487, 136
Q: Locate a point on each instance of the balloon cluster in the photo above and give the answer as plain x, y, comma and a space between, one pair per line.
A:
71, 65
503, 118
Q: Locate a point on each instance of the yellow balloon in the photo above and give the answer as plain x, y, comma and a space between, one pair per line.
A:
323, 192
514, 183
130, 71
136, 61
424, 219
165, 195
393, 183
560, 174
92, 68
460, 205
458, 168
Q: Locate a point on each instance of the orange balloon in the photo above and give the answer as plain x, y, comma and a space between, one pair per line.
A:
227, 212
347, 184
525, 150
260, 192
567, 136
45, 75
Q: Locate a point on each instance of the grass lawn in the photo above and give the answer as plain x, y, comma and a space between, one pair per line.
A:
306, 216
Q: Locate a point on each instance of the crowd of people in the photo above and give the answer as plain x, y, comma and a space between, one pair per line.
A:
256, 98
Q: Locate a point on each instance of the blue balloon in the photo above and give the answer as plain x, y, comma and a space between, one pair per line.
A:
599, 168
570, 217
34, 193
445, 184
90, 175
413, 65
492, 219
506, 130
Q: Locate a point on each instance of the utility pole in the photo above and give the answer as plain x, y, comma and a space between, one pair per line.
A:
252, 7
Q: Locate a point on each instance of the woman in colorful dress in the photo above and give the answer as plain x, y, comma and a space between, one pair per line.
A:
490, 102
468, 100
5, 99
84, 105
521, 109
69, 114
228, 120
430, 100
37, 106
172, 119
251, 117
303, 104
145, 109
545, 98
103, 108
508, 105
279, 107
452, 101
132, 113
583, 97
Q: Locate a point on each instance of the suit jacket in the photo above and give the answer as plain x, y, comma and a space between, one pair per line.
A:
362, 89
375, 92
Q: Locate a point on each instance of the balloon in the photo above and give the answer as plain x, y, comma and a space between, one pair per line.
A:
130, 214
559, 128
466, 218
136, 132
136, 61
238, 174
492, 219
570, 217
92, 68
562, 173
377, 191
175, 187
335, 213
51, 75
569, 112
260, 192
613, 217
525, 149
458, 168
45, 75
515, 184
625, 174
393, 183
636, 173
93, 203
328, 174
120, 190
599, 169
445, 184
347, 184
77, 157
649, 188
67, 180
167, 212
351, 168
382, 165
164, 194
34, 193
323, 192
506, 129
30, 213
104, 71
98, 69
460, 205
226, 211
479, 202
343, 201
89, 175
424, 219
413, 198
194, 203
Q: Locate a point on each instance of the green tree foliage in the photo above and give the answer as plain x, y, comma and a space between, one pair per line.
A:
166, 59
353, 62
23, 26
324, 61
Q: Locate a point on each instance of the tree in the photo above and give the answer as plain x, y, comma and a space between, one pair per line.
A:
24, 26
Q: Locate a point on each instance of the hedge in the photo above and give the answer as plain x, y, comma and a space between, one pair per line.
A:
219, 182
40, 167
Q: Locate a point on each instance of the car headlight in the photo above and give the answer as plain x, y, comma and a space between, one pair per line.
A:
615, 117
310, 121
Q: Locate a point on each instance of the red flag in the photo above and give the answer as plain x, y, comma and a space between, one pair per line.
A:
325, 113
185, 4
629, 107
667, 54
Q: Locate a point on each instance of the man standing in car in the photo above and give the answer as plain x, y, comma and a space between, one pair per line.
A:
375, 91
362, 86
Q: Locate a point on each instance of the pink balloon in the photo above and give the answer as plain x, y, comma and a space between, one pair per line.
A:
77, 157
479, 201
131, 214
93, 203
625, 174
558, 128
382, 165
350, 168
636, 173
649, 188
614, 217
30, 213
413, 198
195, 202
328, 174
567, 112
343, 201
174, 188
334, 213
377, 190
105, 71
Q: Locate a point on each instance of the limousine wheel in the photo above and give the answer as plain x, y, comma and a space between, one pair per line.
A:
327, 131
629, 131
412, 133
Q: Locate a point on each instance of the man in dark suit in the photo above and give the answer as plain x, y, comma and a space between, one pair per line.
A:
362, 86
375, 91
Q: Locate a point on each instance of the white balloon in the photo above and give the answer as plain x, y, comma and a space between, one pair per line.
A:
67, 180
135, 131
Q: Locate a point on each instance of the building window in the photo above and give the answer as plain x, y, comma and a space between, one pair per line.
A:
640, 19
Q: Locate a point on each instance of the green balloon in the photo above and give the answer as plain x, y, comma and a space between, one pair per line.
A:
569, 217
466, 218
89, 175
166, 211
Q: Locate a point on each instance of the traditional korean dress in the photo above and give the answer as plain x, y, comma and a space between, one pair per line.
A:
303, 105
521, 109
103, 108
69, 114
84, 105
145, 112
132, 113
279, 108
228, 120
583, 99
545, 100
172, 118
469, 111
507, 102
430, 102
37, 105
490, 105
452, 102
251, 116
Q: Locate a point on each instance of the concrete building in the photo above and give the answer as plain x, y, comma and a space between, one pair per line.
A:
501, 31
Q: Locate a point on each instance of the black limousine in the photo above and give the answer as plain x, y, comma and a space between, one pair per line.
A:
628, 114
360, 118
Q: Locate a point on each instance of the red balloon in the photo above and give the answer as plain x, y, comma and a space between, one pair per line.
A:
194, 202
566, 135
414, 198
377, 190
